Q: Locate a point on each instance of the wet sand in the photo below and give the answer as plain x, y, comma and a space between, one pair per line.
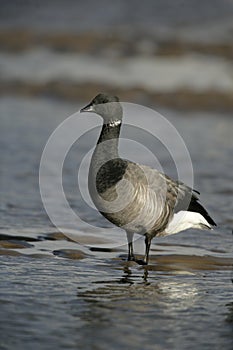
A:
25, 246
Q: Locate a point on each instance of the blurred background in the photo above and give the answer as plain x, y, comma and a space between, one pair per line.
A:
171, 53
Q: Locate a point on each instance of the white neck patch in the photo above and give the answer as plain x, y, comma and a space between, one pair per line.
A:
114, 122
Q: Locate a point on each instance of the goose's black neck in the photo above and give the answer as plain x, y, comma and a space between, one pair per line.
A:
110, 131
107, 145
106, 150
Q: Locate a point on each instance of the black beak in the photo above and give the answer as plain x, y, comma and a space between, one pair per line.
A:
88, 108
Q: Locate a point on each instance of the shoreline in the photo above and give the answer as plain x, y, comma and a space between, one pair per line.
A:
91, 42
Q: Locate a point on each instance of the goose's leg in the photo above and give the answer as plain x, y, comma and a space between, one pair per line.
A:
145, 260
147, 243
130, 246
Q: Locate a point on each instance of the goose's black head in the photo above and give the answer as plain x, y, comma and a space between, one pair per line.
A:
108, 107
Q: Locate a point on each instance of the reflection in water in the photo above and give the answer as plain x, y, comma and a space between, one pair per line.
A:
164, 311
166, 292
127, 275
229, 317
137, 309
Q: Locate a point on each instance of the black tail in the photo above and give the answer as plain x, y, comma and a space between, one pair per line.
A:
195, 206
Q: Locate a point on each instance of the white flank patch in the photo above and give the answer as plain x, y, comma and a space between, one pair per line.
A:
186, 219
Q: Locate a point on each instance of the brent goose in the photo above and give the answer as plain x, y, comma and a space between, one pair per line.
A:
135, 197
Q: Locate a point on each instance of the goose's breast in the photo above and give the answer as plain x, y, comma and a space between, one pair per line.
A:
134, 208
130, 196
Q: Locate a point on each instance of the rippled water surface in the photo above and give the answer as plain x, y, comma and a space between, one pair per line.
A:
60, 294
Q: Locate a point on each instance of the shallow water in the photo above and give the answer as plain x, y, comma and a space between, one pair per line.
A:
56, 293
99, 303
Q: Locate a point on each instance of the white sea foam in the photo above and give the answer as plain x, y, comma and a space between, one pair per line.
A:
195, 72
